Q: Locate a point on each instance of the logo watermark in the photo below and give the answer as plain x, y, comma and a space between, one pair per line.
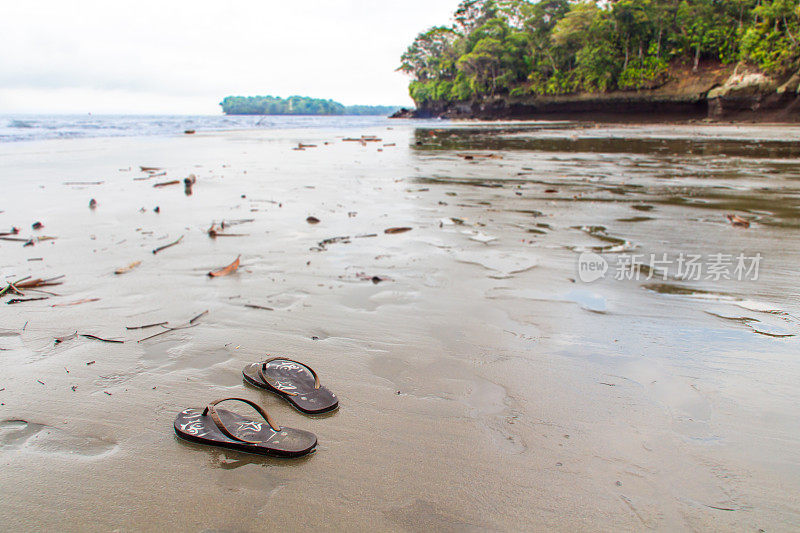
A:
591, 267
683, 266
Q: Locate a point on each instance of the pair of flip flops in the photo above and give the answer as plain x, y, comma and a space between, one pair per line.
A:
291, 380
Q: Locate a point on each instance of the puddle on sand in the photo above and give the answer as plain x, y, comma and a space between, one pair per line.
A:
672, 289
504, 264
586, 299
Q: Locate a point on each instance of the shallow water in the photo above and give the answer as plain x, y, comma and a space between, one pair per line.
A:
483, 385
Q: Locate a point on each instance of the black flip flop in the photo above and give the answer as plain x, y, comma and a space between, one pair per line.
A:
219, 427
293, 381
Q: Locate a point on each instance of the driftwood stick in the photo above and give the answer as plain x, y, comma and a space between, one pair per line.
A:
146, 326
160, 248
100, 338
192, 321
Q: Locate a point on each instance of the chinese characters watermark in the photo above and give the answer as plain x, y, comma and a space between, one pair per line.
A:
683, 266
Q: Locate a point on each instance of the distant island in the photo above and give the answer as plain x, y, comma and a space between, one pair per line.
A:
297, 105
680, 58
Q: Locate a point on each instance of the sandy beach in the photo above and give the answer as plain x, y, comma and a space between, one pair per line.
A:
483, 384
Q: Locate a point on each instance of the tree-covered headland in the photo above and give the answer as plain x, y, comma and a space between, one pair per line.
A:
561, 47
296, 105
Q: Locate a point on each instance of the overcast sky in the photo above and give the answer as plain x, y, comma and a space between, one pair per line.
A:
184, 56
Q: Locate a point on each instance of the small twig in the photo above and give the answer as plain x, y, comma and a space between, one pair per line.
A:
59, 340
77, 302
165, 183
252, 306
44, 292
21, 300
167, 330
192, 321
160, 248
100, 338
146, 326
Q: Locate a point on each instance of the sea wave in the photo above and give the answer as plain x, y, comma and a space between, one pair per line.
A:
16, 128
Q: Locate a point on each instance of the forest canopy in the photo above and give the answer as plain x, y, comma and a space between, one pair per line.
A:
553, 47
296, 105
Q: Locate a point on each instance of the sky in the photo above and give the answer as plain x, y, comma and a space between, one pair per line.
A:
183, 57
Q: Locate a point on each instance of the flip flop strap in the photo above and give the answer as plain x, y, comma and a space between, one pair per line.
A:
211, 411
263, 368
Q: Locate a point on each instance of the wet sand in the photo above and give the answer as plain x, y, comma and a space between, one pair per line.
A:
482, 387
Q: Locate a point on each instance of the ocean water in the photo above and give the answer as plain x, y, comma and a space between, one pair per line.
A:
15, 128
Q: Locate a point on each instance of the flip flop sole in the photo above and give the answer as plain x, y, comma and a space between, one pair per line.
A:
193, 426
293, 378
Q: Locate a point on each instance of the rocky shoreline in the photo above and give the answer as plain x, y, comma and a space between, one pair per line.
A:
717, 93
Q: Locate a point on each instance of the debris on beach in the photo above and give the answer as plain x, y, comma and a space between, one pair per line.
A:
737, 221
59, 340
394, 231
92, 203
322, 245
479, 236
167, 329
470, 157
37, 225
188, 132
101, 339
264, 308
82, 183
18, 287
76, 302
150, 169
188, 183
312, 220
161, 248
374, 279
451, 221
217, 231
147, 325
166, 183
233, 267
13, 231
13, 301
363, 140
126, 269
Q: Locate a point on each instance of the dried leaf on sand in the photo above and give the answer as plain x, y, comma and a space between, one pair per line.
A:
128, 268
393, 231
233, 267
737, 221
